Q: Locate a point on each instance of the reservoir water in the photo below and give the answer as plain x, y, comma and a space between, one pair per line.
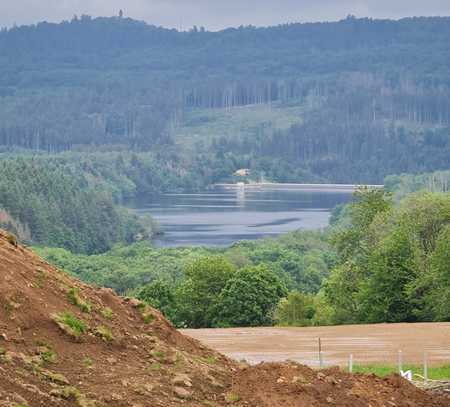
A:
226, 214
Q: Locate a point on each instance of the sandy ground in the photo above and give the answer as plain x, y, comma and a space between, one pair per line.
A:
367, 343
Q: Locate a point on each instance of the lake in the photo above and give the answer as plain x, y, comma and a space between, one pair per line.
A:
226, 214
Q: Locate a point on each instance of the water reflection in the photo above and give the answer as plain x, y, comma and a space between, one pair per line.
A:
222, 216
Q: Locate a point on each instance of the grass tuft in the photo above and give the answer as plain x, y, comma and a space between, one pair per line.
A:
104, 333
148, 318
107, 313
12, 239
232, 398
75, 299
88, 362
70, 324
40, 279
159, 355
156, 366
49, 356
210, 360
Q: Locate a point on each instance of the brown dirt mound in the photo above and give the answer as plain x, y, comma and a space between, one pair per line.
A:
291, 384
64, 343
126, 354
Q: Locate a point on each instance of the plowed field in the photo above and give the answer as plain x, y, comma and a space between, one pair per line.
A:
367, 343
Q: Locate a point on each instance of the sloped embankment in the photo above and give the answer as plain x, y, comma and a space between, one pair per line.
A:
64, 343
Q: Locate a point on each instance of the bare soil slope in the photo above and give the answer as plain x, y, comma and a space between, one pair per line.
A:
128, 355
63, 343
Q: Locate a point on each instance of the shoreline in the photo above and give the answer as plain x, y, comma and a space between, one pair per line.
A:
298, 187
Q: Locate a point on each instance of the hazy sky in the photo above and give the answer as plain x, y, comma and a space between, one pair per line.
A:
217, 14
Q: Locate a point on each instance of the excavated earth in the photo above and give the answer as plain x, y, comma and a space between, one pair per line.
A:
64, 343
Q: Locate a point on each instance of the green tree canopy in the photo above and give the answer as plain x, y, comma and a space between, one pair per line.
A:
393, 261
160, 295
249, 298
197, 295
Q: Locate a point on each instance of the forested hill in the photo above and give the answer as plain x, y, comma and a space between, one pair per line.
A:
350, 101
417, 46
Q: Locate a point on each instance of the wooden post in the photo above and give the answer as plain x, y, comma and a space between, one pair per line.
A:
400, 361
320, 354
425, 366
350, 364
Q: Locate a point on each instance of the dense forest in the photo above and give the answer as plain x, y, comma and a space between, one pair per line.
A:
44, 201
373, 95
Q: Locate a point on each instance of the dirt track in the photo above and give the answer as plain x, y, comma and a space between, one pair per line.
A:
367, 343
